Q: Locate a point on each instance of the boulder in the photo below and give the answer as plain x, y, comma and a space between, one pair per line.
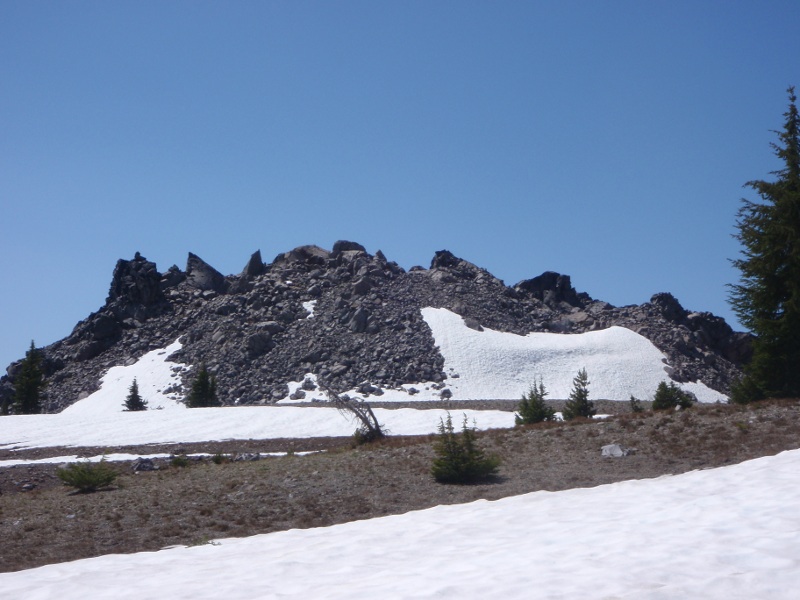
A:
259, 344
362, 286
472, 324
143, 464
616, 451
304, 255
344, 246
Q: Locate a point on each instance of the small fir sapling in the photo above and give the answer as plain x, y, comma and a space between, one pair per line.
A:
579, 404
533, 408
458, 458
134, 401
671, 396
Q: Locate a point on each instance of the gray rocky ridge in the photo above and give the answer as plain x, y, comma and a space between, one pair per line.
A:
253, 332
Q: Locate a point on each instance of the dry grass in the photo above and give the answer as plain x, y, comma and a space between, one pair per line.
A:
204, 501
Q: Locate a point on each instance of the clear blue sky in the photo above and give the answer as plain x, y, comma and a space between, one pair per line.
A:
605, 140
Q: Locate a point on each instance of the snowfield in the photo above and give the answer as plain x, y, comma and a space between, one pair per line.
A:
496, 365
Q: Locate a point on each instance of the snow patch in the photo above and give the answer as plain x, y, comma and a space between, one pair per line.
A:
154, 376
309, 306
497, 365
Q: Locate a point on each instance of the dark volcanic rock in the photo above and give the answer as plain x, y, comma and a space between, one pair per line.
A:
256, 332
552, 289
669, 307
254, 267
135, 282
345, 246
201, 275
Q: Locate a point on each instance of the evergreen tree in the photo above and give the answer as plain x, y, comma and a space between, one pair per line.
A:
204, 390
579, 404
533, 408
767, 297
670, 396
134, 401
29, 384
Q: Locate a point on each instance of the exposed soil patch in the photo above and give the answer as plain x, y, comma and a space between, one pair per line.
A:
204, 501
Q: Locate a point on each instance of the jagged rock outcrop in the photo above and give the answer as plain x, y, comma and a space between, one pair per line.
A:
204, 277
136, 283
255, 331
254, 267
552, 289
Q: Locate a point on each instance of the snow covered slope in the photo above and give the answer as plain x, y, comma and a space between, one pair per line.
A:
154, 376
100, 419
492, 364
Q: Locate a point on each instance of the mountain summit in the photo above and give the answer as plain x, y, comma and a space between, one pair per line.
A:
353, 319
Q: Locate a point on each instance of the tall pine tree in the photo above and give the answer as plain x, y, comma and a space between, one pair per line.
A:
29, 383
204, 390
767, 297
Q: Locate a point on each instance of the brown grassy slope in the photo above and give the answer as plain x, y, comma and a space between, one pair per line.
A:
192, 505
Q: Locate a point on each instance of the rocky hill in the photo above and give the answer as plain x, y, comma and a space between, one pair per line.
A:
350, 317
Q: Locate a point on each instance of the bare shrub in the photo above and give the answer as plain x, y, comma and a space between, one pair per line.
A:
369, 429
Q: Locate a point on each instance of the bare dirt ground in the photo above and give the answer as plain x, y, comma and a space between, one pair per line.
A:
42, 522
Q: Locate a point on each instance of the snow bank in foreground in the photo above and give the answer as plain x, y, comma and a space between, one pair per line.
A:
116, 457
494, 364
728, 533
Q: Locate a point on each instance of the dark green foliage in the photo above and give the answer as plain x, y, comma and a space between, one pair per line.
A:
636, 405
134, 401
29, 383
180, 461
767, 297
533, 408
671, 396
362, 436
87, 476
458, 459
220, 458
579, 404
746, 390
204, 390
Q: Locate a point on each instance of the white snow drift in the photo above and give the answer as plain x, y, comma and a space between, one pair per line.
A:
493, 364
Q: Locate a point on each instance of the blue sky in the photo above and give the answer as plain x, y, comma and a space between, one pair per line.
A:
605, 140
